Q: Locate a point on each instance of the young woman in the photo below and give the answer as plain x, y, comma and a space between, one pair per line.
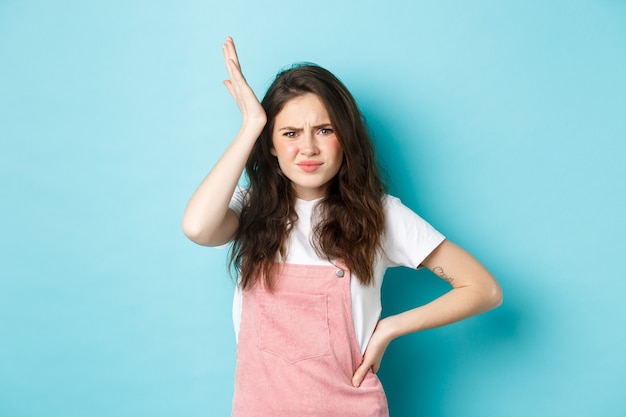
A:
312, 236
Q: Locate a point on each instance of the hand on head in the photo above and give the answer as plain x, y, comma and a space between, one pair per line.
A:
248, 103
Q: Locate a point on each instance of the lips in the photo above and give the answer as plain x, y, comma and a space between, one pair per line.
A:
309, 166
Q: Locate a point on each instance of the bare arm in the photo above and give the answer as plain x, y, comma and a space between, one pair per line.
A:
207, 219
474, 290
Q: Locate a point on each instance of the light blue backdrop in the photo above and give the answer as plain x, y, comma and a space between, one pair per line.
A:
502, 123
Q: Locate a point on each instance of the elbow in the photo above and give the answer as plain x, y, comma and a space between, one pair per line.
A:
203, 236
193, 233
188, 231
493, 296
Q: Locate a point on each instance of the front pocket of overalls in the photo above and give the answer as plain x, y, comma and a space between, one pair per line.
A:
293, 327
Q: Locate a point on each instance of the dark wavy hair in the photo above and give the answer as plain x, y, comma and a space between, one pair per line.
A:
351, 215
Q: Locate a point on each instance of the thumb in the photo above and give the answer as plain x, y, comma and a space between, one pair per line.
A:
359, 374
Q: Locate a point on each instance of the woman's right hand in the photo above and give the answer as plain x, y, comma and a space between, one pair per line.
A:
252, 112
208, 220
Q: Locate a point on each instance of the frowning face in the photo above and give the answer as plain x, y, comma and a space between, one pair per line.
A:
305, 144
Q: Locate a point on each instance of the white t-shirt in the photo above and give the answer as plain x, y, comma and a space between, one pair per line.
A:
407, 241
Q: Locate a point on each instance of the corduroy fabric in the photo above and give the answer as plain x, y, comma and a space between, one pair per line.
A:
297, 350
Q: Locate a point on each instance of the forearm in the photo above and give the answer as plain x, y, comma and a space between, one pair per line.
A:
456, 305
205, 218
459, 303
474, 290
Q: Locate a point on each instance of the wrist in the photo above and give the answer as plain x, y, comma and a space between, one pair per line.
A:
389, 328
251, 130
254, 122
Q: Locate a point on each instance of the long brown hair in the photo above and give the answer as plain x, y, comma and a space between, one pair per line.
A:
351, 215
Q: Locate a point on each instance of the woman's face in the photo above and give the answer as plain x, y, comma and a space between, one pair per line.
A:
305, 144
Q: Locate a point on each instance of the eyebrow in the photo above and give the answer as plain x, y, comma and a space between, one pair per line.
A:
320, 126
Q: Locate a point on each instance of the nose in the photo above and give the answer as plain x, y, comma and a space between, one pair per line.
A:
309, 144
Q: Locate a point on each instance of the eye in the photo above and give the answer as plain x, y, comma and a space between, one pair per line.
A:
290, 134
326, 131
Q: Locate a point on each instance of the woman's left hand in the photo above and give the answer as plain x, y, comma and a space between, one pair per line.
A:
474, 291
374, 352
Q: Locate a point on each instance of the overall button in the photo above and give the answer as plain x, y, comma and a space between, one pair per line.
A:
340, 273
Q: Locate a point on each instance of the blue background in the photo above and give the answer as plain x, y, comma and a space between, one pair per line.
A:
502, 123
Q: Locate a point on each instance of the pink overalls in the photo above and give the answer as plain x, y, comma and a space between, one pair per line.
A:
297, 350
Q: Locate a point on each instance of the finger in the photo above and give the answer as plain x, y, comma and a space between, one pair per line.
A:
232, 61
230, 51
237, 85
228, 61
229, 86
234, 71
359, 375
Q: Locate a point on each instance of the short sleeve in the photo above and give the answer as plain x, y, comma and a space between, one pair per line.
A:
238, 200
408, 238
